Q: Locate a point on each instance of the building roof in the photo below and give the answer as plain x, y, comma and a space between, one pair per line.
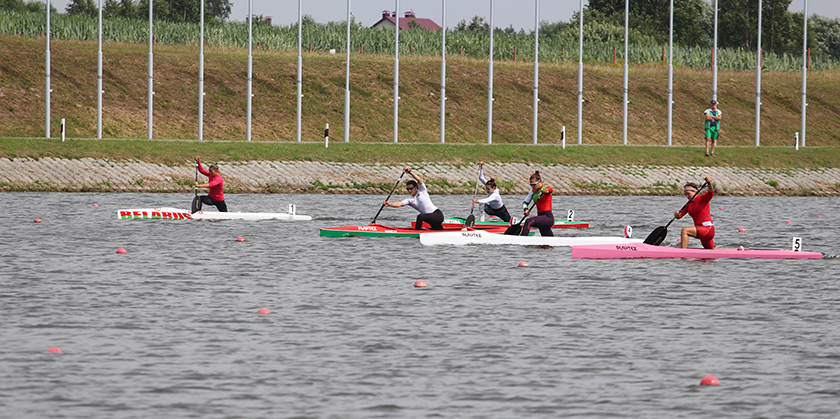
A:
405, 22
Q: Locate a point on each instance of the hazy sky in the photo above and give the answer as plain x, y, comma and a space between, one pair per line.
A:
519, 13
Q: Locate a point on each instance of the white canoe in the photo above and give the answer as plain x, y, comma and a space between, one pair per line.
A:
483, 237
180, 214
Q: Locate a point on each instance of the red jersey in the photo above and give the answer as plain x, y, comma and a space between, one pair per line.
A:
216, 185
543, 199
699, 209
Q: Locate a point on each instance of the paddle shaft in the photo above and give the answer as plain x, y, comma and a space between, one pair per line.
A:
389, 197
475, 192
195, 188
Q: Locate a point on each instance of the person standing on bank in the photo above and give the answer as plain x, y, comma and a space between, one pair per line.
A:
712, 126
542, 195
420, 200
216, 195
493, 204
699, 210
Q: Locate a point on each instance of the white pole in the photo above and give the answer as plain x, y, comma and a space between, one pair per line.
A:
250, 67
396, 70
63, 132
47, 88
443, 75
299, 95
201, 78
671, 77
804, 69
327, 135
536, 68
758, 82
580, 78
626, 70
99, 79
151, 91
563, 137
715, 56
347, 82
490, 80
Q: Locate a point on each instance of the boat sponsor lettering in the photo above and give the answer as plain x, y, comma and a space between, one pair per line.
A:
367, 228
625, 247
471, 234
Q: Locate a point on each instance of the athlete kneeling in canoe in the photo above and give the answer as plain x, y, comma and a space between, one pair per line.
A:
542, 195
493, 204
698, 209
419, 199
216, 195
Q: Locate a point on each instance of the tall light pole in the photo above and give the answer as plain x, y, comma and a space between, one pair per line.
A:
671, 76
625, 101
580, 78
443, 75
347, 81
151, 91
47, 88
714, 56
250, 83
396, 70
536, 68
804, 70
299, 95
758, 82
99, 79
490, 80
201, 78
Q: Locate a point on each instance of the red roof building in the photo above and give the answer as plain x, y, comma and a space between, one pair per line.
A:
408, 23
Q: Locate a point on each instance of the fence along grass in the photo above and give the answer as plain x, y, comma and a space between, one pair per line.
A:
322, 37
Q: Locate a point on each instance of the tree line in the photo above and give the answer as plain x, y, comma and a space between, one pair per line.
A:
649, 22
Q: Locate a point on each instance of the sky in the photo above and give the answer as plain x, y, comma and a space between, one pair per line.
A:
518, 13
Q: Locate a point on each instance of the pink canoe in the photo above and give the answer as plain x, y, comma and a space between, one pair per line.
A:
647, 251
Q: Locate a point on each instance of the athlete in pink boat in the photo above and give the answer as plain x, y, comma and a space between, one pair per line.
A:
700, 212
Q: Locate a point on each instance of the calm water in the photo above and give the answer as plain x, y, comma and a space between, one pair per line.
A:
171, 329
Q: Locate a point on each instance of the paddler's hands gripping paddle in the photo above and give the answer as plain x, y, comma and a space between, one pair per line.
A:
196, 203
470, 222
658, 235
389, 197
516, 229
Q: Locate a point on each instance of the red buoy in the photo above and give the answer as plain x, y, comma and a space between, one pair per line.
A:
95, 204
54, 350
742, 230
523, 264
37, 220
709, 380
240, 239
121, 251
263, 311
419, 283
788, 222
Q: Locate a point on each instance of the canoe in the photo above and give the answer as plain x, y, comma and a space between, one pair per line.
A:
486, 237
379, 230
458, 223
647, 251
179, 214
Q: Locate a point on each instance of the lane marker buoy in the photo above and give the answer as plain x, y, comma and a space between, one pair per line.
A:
264, 311
742, 230
54, 350
709, 380
523, 264
240, 239
37, 220
95, 204
788, 222
121, 251
419, 283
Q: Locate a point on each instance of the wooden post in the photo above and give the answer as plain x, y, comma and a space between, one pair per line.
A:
615, 51
514, 53
462, 50
361, 48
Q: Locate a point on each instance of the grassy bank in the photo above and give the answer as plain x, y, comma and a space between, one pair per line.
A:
274, 109
183, 152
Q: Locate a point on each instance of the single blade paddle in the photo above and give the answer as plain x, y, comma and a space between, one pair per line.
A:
196, 203
470, 222
516, 229
389, 197
658, 235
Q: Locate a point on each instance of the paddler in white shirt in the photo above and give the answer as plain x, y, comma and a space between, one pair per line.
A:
493, 204
419, 199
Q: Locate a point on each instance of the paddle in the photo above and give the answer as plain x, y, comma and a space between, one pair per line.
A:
470, 222
389, 197
196, 202
658, 235
515, 229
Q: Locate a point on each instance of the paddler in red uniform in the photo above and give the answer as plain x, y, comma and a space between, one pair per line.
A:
542, 195
216, 195
698, 209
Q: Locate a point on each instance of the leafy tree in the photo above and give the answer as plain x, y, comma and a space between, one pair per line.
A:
186, 10
652, 18
476, 25
827, 34
82, 7
119, 8
781, 30
21, 6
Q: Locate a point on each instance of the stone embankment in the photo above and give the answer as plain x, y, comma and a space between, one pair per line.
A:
95, 175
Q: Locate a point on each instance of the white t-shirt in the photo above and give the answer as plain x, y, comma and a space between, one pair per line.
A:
494, 200
421, 201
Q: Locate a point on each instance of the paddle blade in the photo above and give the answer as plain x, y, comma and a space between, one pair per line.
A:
470, 221
196, 205
514, 230
657, 236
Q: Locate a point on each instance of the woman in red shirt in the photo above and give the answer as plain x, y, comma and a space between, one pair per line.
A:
542, 195
698, 209
216, 195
